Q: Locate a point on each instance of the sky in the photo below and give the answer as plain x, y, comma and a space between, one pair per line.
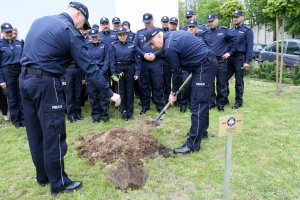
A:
21, 13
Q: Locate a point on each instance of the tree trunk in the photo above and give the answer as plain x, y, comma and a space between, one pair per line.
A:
282, 52
277, 52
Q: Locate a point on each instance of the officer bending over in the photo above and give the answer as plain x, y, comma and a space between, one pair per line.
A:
184, 51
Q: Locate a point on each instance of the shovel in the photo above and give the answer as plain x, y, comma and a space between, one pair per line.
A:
157, 119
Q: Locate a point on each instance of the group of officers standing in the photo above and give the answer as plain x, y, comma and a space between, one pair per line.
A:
131, 68
115, 62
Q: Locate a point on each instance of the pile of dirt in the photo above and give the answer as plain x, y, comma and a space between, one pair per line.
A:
125, 147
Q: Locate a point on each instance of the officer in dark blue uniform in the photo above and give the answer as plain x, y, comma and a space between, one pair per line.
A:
164, 23
223, 42
194, 57
130, 34
52, 43
106, 35
190, 15
173, 23
241, 59
193, 28
10, 69
124, 63
151, 80
73, 80
99, 54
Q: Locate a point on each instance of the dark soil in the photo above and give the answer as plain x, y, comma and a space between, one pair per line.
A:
126, 148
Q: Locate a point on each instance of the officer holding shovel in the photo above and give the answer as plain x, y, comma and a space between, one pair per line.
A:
183, 51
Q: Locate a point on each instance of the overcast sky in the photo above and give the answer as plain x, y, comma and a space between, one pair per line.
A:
21, 13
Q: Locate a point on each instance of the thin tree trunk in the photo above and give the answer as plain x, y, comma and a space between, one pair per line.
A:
282, 52
277, 52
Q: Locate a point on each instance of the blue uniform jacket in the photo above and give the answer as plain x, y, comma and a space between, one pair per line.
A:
99, 54
52, 49
124, 52
108, 37
10, 54
245, 44
131, 36
221, 40
183, 51
141, 49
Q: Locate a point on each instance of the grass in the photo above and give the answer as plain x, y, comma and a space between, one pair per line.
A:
265, 157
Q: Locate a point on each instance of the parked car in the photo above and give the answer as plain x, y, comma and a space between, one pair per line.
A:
291, 52
256, 51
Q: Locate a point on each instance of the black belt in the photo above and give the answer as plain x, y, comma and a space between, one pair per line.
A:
124, 63
238, 54
38, 72
14, 65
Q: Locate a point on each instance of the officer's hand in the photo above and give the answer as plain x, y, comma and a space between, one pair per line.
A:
226, 55
152, 57
3, 85
116, 98
136, 78
63, 83
172, 98
246, 66
147, 56
115, 78
83, 82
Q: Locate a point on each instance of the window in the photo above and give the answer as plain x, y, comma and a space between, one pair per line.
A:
292, 47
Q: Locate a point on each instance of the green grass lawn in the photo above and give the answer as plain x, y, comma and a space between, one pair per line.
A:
265, 157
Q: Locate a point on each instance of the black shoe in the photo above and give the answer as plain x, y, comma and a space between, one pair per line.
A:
182, 109
144, 110
212, 105
71, 119
220, 108
74, 185
96, 120
79, 117
183, 149
105, 119
43, 183
236, 106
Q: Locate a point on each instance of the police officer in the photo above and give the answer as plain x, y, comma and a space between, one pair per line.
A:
173, 23
223, 43
196, 58
164, 23
51, 44
73, 80
190, 15
124, 63
10, 69
193, 28
241, 59
151, 79
106, 35
116, 22
130, 34
99, 54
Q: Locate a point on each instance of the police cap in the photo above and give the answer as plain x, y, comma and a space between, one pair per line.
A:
212, 17
116, 20
150, 34
104, 20
238, 13
147, 17
84, 10
192, 23
165, 19
121, 30
190, 13
173, 20
93, 32
6, 27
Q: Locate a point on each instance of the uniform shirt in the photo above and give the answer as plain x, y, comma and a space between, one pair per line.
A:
220, 40
53, 42
108, 37
99, 54
183, 51
124, 52
10, 54
245, 44
141, 49
201, 28
131, 36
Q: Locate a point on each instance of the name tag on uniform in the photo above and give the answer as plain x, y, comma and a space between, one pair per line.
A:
101, 47
130, 46
241, 32
200, 84
57, 107
220, 34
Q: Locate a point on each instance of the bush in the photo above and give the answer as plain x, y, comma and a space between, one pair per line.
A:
267, 71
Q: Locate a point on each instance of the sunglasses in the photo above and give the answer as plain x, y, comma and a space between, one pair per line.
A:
188, 17
210, 21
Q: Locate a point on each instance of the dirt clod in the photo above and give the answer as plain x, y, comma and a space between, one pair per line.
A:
125, 147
